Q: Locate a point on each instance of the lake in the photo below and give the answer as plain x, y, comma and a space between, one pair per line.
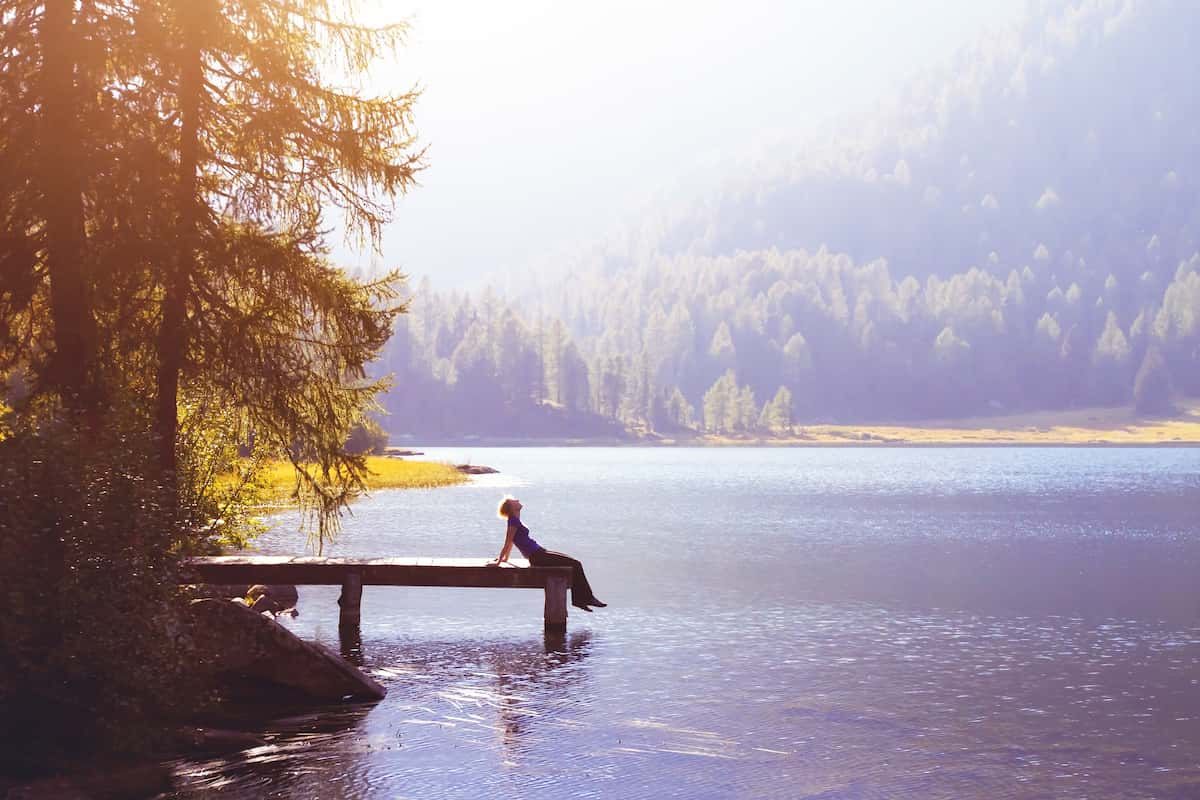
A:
782, 623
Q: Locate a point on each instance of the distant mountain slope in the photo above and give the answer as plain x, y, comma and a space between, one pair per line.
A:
1078, 131
1019, 230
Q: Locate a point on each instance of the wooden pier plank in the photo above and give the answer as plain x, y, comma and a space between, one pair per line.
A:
352, 574
314, 570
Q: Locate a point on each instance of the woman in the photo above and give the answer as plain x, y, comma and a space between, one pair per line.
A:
518, 534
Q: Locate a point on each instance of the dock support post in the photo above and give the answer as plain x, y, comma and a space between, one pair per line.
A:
556, 604
351, 600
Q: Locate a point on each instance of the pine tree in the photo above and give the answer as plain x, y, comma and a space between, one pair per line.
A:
1152, 385
721, 404
748, 411
180, 155
777, 414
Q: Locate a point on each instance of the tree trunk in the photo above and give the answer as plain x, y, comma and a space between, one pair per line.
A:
172, 339
73, 364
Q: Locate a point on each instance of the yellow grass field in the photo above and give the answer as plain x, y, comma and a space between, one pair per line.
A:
386, 473
1089, 426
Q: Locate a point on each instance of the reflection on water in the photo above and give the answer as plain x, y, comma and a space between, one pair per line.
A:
782, 624
497, 696
350, 641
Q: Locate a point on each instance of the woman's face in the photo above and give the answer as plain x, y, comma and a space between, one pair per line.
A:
515, 506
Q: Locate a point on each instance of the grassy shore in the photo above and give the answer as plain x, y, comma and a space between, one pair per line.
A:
1076, 427
386, 473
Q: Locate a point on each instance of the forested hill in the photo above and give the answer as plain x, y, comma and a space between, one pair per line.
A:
1016, 230
1077, 131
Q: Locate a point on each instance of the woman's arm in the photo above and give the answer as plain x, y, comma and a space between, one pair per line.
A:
508, 543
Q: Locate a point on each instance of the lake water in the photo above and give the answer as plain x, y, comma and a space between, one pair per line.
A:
782, 623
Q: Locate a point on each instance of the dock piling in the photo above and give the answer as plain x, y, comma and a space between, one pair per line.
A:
556, 604
351, 600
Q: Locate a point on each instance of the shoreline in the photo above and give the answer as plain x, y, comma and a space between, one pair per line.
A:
1087, 427
800, 444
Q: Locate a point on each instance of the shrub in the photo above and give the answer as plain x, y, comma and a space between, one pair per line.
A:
90, 611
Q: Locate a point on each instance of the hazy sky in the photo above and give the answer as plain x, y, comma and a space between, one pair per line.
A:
549, 123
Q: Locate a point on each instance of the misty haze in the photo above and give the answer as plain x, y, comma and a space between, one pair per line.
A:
850, 352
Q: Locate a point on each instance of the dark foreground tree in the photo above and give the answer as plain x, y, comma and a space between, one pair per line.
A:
166, 301
266, 138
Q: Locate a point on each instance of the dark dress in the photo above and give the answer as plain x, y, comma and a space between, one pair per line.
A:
581, 590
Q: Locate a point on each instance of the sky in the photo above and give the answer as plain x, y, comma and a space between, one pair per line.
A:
550, 124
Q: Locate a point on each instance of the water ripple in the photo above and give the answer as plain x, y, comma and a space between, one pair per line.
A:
783, 624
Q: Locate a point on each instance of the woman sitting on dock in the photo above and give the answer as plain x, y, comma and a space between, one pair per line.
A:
518, 534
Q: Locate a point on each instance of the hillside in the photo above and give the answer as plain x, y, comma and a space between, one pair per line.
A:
1017, 230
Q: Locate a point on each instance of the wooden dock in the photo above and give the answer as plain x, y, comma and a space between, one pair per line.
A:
354, 573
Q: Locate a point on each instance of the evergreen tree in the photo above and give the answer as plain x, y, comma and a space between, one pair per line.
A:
574, 387
777, 414
1152, 385
678, 412
1110, 363
721, 404
746, 419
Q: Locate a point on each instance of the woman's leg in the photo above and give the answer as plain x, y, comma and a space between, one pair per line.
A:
581, 590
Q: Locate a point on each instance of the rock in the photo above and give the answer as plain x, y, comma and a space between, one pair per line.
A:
282, 597
475, 469
237, 641
263, 604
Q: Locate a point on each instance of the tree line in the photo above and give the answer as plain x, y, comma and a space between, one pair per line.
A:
764, 342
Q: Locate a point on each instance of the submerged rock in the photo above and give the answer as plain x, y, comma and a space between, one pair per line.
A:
234, 640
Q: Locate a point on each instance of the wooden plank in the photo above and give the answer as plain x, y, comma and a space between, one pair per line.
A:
309, 570
520, 563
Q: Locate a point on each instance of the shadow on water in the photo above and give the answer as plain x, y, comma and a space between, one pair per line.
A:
493, 698
495, 694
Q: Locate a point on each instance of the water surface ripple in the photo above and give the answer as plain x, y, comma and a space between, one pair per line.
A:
832, 623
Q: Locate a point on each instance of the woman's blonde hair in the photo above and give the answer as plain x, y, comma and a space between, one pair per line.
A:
503, 511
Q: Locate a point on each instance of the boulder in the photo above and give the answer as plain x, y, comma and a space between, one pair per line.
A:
280, 596
275, 597
234, 640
